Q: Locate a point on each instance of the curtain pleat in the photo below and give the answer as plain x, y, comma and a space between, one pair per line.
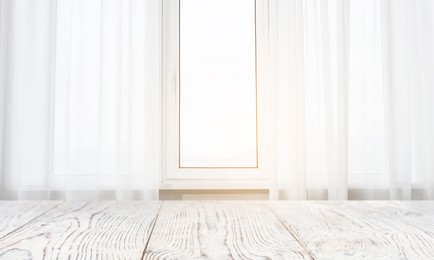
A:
3, 75
291, 126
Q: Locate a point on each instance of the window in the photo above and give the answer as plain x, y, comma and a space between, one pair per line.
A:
216, 115
217, 100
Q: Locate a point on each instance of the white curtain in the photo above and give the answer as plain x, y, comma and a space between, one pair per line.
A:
80, 111
356, 99
80, 99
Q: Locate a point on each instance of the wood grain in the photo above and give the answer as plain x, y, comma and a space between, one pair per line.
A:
15, 214
217, 230
82, 230
221, 230
361, 230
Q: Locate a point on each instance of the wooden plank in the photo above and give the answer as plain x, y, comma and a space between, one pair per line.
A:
97, 230
417, 214
220, 230
15, 214
361, 230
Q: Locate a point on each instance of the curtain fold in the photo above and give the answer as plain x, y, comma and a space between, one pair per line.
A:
81, 99
367, 99
25, 91
409, 96
291, 100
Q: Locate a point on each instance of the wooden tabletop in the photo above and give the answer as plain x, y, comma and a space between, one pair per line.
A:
216, 230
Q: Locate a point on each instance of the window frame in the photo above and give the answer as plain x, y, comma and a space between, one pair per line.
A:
261, 177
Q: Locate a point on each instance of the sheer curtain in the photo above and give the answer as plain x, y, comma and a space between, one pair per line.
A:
80, 103
80, 99
356, 99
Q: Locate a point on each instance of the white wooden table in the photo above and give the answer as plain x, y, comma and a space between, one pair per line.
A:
216, 230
